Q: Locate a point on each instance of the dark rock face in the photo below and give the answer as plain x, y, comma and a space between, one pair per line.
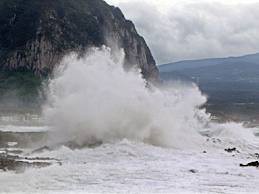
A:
36, 34
253, 164
20, 164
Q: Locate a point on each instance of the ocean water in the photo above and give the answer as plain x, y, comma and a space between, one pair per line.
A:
104, 130
128, 166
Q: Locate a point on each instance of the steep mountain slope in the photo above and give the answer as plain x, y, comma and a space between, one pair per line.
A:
36, 34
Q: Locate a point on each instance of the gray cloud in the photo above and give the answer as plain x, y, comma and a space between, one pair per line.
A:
196, 30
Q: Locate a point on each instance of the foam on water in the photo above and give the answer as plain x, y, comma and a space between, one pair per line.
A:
93, 99
128, 167
232, 135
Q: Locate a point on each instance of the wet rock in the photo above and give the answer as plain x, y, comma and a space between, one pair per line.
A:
193, 171
252, 164
17, 163
230, 150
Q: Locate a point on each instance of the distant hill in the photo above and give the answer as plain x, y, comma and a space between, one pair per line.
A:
225, 80
189, 64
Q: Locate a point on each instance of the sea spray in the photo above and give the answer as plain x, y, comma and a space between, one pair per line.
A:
93, 99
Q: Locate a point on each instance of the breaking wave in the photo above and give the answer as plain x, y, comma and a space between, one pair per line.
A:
93, 99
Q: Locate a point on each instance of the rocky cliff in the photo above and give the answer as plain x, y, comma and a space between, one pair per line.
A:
36, 34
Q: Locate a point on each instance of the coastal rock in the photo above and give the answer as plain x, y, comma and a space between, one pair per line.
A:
35, 34
20, 164
253, 164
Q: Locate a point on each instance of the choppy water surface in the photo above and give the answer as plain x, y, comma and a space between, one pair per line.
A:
103, 130
136, 167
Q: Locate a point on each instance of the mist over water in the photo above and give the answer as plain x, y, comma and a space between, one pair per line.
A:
93, 99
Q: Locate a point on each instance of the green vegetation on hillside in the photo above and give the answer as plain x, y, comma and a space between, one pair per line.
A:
20, 89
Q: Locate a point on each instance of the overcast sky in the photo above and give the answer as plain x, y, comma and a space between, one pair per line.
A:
190, 29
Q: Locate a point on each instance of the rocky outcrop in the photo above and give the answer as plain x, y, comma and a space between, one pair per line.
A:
253, 164
36, 34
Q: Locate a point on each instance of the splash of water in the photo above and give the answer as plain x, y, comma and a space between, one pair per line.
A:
93, 99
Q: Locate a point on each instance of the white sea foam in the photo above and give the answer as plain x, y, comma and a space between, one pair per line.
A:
128, 167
